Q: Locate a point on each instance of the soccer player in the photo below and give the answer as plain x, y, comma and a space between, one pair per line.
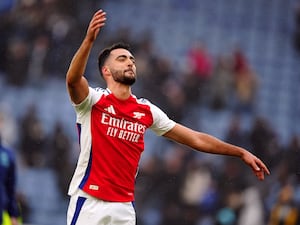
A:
111, 125
8, 202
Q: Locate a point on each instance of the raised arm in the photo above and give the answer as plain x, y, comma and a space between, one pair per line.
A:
209, 144
77, 84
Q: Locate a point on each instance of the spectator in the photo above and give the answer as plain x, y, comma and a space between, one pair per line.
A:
296, 35
60, 152
222, 83
245, 83
170, 186
37, 70
235, 134
173, 100
240, 62
10, 134
252, 210
33, 139
292, 156
285, 211
228, 213
199, 192
198, 72
260, 137
199, 61
18, 54
147, 190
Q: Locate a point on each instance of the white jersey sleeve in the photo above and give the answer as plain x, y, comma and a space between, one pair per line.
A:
161, 122
86, 105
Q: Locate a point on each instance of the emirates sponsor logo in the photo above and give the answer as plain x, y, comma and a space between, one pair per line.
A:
123, 129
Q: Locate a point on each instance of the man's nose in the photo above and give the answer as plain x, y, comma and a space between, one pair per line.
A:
130, 63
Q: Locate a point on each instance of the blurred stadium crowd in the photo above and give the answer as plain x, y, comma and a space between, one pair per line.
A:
211, 65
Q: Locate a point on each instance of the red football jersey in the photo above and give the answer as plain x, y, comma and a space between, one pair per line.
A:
111, 133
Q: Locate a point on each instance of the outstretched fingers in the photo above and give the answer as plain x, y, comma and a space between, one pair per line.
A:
96, 23
99, 18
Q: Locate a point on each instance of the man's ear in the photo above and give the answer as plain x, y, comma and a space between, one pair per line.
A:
105, 70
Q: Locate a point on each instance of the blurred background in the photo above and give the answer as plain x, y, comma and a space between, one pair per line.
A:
229, 68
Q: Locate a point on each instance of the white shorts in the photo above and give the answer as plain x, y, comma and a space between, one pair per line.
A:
84, 209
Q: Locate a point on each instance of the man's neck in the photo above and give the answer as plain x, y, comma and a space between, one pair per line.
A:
120, 91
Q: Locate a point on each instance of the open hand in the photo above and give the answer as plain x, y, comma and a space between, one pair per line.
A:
96, 23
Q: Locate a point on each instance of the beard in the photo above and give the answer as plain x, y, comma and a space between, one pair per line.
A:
121, 77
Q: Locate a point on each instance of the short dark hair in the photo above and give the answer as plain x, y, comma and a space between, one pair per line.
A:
106, 52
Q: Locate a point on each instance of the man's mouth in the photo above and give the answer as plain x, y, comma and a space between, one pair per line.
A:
129, 70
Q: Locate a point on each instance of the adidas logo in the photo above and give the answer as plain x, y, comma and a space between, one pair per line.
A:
138, 115
110, 109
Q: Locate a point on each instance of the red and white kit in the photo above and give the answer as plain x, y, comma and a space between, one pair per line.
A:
111, 134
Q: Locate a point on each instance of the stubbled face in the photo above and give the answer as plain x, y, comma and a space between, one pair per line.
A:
121, 64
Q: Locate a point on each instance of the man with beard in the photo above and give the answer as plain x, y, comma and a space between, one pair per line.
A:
111, 126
